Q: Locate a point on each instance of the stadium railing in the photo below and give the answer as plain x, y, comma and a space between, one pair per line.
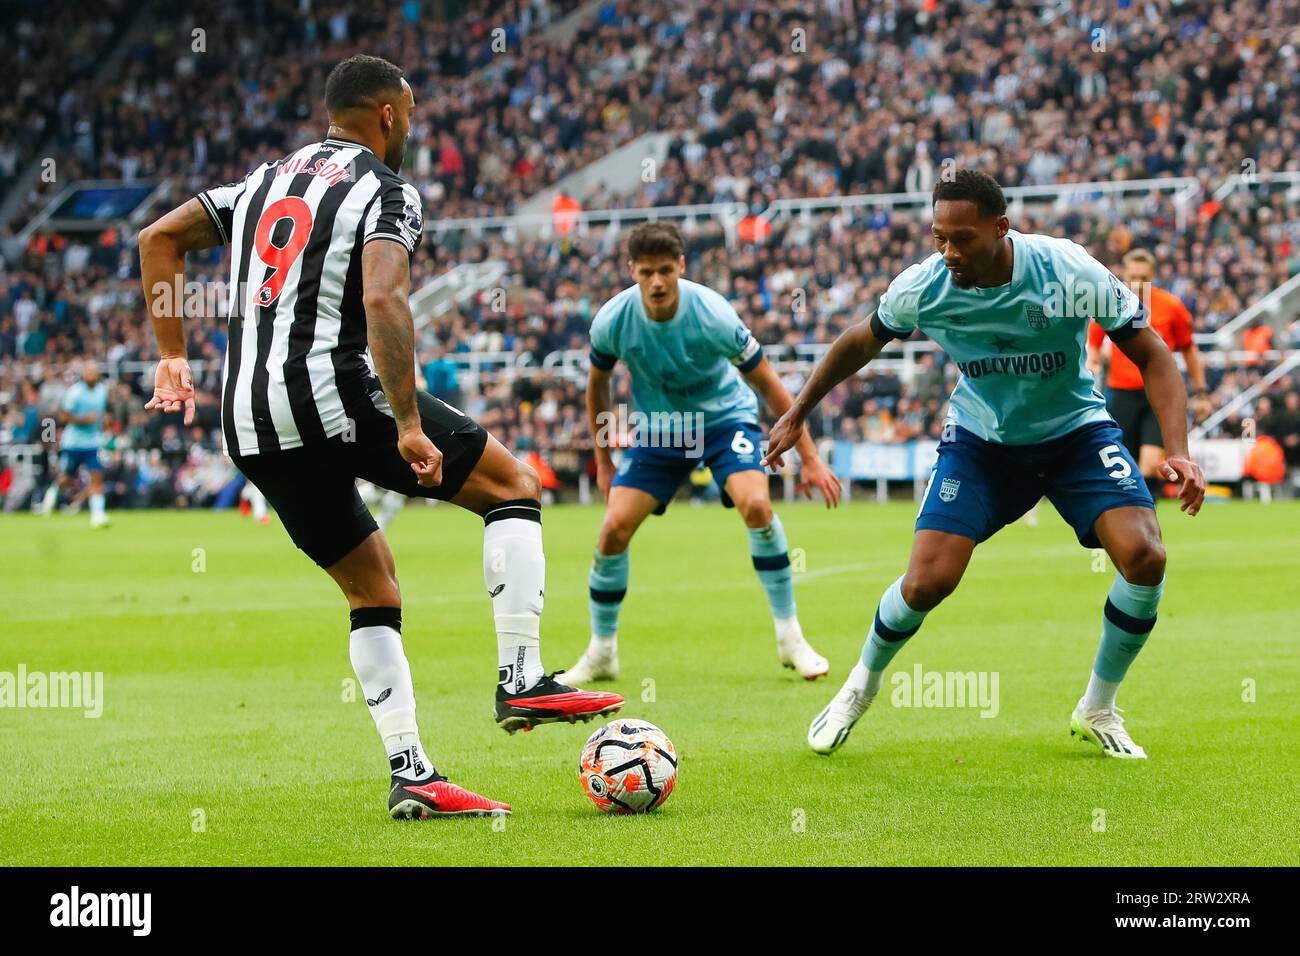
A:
571, 364
1285, 299
1286, 362
455, 287
1185, 190
1249, 180
552, 224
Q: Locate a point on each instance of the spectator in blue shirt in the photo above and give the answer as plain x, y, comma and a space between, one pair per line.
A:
440, 376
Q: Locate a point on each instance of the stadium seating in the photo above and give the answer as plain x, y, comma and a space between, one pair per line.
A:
773, 116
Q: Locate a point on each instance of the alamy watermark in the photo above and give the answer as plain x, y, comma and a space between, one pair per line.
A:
77, 690
128, 910
921, 688
1085, 298
631, 428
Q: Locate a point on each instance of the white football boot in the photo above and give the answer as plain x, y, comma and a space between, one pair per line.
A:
831, 727
796, 653
598, 662
1105, 728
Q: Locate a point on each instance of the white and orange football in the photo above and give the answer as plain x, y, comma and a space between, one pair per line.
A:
628, 766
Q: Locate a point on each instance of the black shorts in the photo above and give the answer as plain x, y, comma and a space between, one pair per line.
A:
313, 488
1135, 417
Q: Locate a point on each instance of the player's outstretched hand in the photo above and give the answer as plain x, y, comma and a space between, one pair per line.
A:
425, 459
817, 475
783, 436
173, 388
1192, 493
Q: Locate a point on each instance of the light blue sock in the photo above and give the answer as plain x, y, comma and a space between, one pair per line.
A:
1129, 617
895, 623
607, 584
771, 556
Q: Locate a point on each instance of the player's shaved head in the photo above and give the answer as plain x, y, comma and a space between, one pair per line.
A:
362, 82
970, 228
973, 186
368, 101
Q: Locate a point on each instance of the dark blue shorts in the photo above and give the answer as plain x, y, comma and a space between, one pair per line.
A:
725, 449
978, 486
72, 459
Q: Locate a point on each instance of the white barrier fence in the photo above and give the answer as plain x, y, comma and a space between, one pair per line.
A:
571, 364
1222, 460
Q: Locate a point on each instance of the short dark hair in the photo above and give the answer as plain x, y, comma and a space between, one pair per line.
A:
973, 186
655, 239
358, 82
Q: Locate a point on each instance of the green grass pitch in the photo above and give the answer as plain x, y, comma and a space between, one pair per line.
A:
225, 738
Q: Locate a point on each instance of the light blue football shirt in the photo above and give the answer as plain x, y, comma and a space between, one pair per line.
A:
689, 364
1020, 346
81, 399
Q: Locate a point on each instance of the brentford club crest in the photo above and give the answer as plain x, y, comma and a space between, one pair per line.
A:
948, 489
1036, 316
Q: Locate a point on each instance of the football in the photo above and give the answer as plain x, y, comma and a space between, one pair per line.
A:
628, 766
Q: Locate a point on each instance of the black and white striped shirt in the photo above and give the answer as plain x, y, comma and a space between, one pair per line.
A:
295, 363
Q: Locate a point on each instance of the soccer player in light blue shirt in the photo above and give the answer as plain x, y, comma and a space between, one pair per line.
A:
695, 370
1025, 420
85, 405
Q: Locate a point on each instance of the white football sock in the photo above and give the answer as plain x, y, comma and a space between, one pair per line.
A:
96, 506
375, 648
514, 570
255, 499
603, 646
1100, 694
865, 682
788, 629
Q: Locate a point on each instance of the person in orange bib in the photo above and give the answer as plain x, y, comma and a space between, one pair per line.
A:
1126, 400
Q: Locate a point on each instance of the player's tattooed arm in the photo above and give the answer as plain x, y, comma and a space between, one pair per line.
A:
386, 283
390, 330
163, 246
855, 347
1168, 397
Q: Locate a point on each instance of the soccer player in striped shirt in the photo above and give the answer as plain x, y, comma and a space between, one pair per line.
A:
321, 244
